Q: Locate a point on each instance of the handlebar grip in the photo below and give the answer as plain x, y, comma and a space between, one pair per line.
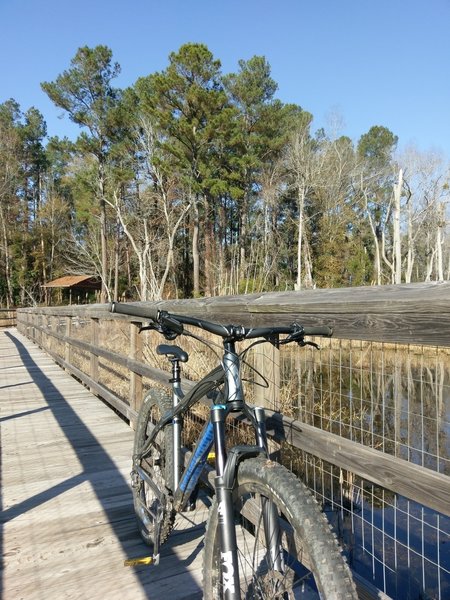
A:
322, 330
145, 312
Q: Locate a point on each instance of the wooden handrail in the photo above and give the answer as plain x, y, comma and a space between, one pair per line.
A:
418, 483
8, 317
417, 313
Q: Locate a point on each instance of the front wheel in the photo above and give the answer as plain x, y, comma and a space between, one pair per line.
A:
309, 563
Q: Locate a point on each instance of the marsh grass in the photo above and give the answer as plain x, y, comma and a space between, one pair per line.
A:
386, 396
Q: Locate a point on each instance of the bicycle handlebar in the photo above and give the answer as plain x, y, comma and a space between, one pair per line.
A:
175, 324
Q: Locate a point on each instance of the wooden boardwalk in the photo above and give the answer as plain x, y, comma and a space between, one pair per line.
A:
67, 520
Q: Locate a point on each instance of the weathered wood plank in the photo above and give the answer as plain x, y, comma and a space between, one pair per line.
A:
410, 313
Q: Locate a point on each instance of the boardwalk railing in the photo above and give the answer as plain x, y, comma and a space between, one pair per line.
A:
7, 317
355, 440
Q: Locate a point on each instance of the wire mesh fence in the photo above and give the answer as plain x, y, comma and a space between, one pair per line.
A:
395, 399
392, 398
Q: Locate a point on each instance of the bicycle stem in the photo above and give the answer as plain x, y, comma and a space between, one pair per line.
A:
231, 367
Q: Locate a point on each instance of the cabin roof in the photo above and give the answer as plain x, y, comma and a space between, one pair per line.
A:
74, 281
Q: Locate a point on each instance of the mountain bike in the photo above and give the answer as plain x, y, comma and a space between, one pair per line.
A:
266, 537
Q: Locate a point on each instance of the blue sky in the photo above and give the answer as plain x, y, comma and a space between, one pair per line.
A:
372, 62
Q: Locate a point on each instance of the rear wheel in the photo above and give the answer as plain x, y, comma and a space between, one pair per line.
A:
158, 467
309, 560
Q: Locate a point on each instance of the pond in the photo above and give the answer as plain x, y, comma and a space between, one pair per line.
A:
395, 399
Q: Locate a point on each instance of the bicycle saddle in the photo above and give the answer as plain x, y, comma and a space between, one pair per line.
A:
172, 351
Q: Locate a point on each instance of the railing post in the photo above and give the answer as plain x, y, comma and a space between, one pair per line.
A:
19, 322
94, 357
267, 362
68, 342
28, 326
135, 378
32, 322
49, 321
35, 325
43, 325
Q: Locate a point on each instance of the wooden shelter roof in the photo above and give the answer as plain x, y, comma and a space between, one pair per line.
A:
75, 281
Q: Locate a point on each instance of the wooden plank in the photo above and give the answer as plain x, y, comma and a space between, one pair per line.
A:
267, 363
7, 317
93, 354
135, 378
67, 516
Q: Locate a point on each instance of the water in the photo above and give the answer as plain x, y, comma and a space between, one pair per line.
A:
397, 400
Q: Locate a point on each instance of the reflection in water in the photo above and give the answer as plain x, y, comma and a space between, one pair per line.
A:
397, 400
390, 398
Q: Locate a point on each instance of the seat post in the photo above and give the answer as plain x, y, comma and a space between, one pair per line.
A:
177, 422
176, 370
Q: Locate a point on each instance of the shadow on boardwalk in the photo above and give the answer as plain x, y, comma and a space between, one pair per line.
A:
97, 470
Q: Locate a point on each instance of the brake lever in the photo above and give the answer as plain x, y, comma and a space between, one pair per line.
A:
150, 326
303, 343
274, 339
295, 336
168, 333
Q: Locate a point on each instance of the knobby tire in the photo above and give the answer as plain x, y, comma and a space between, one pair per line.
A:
313, 562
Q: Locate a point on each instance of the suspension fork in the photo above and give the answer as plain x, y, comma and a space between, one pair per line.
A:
272, 531
226, 468
224, 488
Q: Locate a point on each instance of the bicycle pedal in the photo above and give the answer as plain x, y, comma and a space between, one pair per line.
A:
144, 560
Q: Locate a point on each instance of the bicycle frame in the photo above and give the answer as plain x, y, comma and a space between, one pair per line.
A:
227, 479
214, 433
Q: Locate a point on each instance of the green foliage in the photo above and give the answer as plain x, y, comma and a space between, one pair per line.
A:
377, 145
192, 182
85, 92
189, 108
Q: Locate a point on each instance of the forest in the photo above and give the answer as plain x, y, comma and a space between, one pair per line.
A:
194, 182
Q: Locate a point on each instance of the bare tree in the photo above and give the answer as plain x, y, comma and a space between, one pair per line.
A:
10, 149
151, 214
424, 213
396, 237
305, 164
378, 213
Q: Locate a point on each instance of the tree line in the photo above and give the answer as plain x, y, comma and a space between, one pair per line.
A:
193, 182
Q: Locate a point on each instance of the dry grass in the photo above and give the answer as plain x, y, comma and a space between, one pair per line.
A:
382, 395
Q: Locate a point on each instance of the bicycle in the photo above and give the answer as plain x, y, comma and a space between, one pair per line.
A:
266, 537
